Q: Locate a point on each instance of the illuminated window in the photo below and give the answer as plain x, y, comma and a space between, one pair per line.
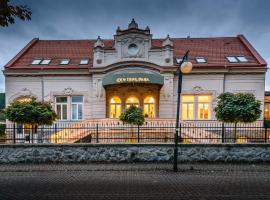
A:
132, 101
149, 107
61, 108
267, 111
204, 107
76, 107
115, 107
187, 107
192, 104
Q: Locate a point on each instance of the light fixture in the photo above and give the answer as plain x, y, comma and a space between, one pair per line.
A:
186, 67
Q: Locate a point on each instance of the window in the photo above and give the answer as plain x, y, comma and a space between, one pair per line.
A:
45, 61
132, 101
188, 107
36, 61
84, 61
232, 59
133, 49
199, 104
179, 60
61, 108
200, 60
204, 107
267, 111
242, 59
235, 59
76, 107
64, 61
149, 107
115, 107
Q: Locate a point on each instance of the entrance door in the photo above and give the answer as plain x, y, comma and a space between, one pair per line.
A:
132, 101
149, 107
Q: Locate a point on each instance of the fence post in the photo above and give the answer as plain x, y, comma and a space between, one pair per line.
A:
223, 133
138, 133
55, 131
97, 132
14, 134
265, 134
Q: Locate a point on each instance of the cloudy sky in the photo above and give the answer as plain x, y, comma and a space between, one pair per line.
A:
84, 19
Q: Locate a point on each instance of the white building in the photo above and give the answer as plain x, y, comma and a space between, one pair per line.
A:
90, 79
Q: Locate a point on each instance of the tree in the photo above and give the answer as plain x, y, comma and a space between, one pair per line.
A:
9, 12
133, 115
236, 108
33, 113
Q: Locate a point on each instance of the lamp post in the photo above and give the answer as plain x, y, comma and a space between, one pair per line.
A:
185, 67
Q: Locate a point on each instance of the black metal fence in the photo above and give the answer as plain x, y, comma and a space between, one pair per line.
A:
150, 132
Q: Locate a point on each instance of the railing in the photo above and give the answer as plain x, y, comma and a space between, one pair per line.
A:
155, 131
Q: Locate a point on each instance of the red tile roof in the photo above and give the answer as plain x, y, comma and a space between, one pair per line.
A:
214, 50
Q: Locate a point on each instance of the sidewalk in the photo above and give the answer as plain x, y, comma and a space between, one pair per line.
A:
134, 181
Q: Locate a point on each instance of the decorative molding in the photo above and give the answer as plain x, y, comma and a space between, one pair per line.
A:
25, 92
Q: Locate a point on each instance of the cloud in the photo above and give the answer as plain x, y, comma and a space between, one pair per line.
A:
80, 19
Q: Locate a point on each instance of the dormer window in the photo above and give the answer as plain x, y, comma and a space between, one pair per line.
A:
36, 61
45, 61
200, 60
64, 61
84, 61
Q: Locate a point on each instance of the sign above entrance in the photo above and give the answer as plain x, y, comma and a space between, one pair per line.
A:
123, 78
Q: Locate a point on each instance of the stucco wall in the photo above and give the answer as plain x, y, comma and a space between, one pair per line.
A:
24, 153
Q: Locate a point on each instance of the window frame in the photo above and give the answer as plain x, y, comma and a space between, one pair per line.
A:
196, 103
84, 59
77, 108
61, 107
64, 59
228, 58
35, 59
201, 57
46, 59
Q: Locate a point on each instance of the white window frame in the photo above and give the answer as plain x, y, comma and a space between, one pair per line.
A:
77, 108
61, 106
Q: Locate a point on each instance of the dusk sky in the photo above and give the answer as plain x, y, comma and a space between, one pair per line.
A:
82, 19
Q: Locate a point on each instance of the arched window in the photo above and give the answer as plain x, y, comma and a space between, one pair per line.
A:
149, 107
115, 107
132, 101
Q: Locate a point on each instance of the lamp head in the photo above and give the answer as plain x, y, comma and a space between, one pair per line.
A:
186, 67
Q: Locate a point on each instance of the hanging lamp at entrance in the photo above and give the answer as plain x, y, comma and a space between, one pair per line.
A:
117, 78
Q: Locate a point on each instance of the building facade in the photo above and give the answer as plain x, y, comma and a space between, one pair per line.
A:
97, 79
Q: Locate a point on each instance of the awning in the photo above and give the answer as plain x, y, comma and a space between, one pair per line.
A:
125, 78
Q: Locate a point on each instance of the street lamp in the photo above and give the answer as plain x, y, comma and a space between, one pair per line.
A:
185, 68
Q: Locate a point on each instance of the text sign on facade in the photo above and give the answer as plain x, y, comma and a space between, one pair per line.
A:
132, 80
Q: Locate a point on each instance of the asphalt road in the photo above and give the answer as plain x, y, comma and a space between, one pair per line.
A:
134, 181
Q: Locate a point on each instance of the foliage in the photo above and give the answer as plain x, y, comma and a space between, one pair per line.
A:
2, 129
2, 115
2, 101
9, 12
240, 107
31, 112
133, 115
